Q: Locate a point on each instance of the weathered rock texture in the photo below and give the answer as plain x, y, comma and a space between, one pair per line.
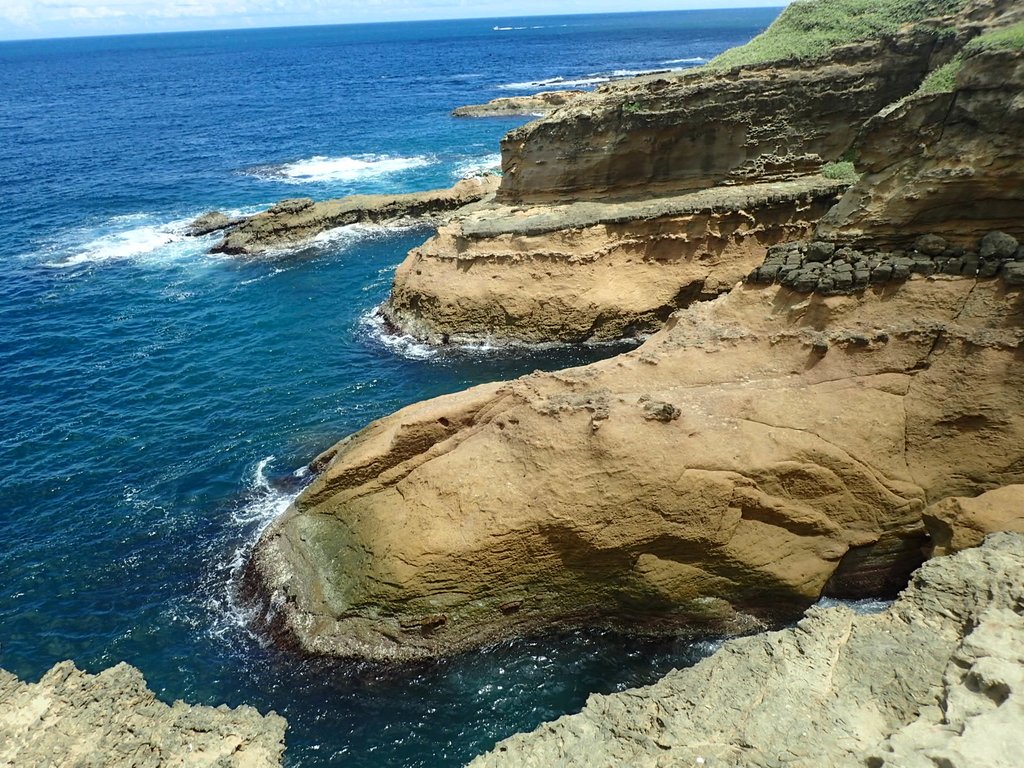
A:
707, 127
761, 450
70, 718
950, 164
592, 271
936, 680
959, 523
512, 106
293, 222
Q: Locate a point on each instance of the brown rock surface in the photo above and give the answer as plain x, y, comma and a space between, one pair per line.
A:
70, 718
812, 432
293, 222
936, 680
512, 106
950, 164
667, 133
959, 523
591, 271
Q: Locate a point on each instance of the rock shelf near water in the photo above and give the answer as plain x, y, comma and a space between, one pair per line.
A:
512, 106
71, 718
292, 223
935, 680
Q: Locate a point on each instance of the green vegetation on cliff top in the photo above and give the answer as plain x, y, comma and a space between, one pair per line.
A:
809, 29
943, 79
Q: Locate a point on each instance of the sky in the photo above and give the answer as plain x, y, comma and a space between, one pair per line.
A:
22, 19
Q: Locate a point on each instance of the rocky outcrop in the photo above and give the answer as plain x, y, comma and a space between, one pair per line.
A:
112, 719
959, 523
795, 441
294, 222
210, 222
946, 163
936, 680
514, 106
707, 127
591, 271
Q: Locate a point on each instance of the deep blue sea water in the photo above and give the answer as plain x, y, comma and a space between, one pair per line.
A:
156, 402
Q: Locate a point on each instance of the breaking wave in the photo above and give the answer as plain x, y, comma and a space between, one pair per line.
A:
321, 168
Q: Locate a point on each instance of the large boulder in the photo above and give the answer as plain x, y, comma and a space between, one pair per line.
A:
959, 523
812, 432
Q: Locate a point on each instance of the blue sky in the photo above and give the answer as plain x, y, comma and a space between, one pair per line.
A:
62, 18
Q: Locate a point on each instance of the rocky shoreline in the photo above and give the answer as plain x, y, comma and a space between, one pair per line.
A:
112, 719
537, 104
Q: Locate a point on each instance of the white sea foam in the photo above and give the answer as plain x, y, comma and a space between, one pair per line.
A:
476, 166
117, 239
555, 82
340, 169
688, 60
373, 325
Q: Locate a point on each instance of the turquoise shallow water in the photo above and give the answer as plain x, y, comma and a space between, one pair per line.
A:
157, 402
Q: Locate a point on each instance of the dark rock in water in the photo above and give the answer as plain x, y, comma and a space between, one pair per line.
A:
212, 221
998, 245
931, 245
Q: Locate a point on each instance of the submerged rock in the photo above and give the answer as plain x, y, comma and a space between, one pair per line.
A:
113, 720
936, 680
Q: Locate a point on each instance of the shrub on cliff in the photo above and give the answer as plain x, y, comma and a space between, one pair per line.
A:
809, 29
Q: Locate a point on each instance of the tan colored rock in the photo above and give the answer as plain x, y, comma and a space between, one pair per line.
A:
667, 133
592, 271
293, 222
70, 718
812, 433
960, 523
512, 106
936, 680
950, 164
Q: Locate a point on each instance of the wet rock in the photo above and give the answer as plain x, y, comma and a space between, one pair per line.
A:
210, 222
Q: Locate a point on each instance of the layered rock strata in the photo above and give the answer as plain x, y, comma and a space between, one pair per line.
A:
514, 106
591, 271
112, 719
707, 127
946, 163
936, 680
763, 449
294, 222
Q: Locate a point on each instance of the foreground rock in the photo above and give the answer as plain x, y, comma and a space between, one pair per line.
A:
112, 719
294, 222
514, 106
592, 271
936, 680
763, 449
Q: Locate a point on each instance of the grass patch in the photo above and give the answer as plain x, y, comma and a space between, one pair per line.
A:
840, 171
810, 29
1009, 38
942, 79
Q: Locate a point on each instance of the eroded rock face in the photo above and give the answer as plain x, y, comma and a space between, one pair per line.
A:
593, 271
706, 127
949, 164
113, 720
294, 222
811, 434
959, 523
936, 680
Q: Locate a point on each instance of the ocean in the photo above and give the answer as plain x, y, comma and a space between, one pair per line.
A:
158, 403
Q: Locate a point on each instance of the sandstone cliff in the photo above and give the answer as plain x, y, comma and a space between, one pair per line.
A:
936, 680
763, 449
70, 718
